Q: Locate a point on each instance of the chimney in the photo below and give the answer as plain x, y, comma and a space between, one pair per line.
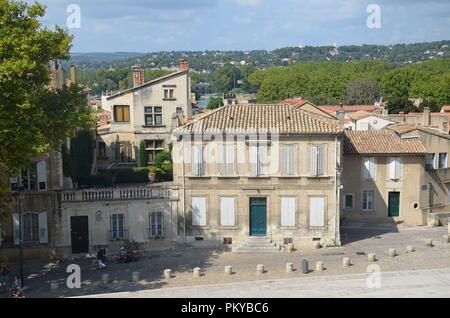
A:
183, 65
426, 117
138, 77
73, 74
341, 116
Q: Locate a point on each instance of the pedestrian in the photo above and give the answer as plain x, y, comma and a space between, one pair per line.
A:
4, 275
101, 258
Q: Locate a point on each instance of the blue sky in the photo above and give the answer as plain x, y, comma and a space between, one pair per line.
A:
158, 25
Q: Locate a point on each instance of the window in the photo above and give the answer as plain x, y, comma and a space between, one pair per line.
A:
153, 148
429, 161
227, 211
258, 160
288, 160
29, 180
226, 160
30, 228
317, 160
157, 225
117, 227
169, 94
395, 168
34, 228
153, 116
442, 161
368, 200
368, 168
348, 202
288, 211
122, 114
198, 211
317, 212
101, 149
197, 160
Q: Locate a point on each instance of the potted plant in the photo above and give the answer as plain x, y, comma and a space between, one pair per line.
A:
152, 173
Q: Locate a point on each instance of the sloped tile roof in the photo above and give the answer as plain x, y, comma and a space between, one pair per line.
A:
360, 114
381, 142
285, 119
402, 128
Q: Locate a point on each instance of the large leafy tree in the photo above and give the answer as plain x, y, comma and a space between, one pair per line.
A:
33, 117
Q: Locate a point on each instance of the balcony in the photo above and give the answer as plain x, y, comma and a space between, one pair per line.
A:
120, 194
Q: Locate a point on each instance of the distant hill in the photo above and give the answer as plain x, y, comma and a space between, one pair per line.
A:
97, 59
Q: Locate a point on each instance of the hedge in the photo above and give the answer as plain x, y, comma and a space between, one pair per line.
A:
108, 178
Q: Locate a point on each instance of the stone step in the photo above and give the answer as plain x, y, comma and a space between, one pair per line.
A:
256, 245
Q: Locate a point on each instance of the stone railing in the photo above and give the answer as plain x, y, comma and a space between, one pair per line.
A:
123, 193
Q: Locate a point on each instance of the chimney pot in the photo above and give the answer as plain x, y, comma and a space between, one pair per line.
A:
138, 77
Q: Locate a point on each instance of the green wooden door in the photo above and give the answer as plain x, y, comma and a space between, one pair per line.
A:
394, 204
258, 217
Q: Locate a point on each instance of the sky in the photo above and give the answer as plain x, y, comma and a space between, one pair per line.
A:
166, 25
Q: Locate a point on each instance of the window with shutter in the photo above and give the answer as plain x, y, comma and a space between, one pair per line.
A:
254, 160
368, 168
288, 160
226, 160
43, 228
197, 161
288, 211
227, 211
313, 160
317, 212
262, 160
395, 168
199, 211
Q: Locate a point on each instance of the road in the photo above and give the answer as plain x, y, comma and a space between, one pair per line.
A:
403, 284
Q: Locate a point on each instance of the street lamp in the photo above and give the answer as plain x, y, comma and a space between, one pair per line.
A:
18, 195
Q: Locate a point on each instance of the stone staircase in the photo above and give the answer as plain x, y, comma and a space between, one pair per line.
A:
256, 244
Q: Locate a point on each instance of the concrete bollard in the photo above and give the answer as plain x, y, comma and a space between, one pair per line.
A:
429, 243
260, 269
319, 266
167, 273
392, 252
105, 278
290, 247
371, 257
317, 245
54, 284
346, 262
135, 276
410, 249
445, 239
228, 270
289, 267
197, 272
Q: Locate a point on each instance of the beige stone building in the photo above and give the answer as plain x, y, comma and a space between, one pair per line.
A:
147, 112
259, 170
382, 177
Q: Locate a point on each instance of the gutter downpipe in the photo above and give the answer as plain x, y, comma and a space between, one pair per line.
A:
184, 192
336, 196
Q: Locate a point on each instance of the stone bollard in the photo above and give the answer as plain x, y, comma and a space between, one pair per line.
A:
289, 267
371, 257
392, 252
167, 273
197, 272
290, 247
429, 243
228, 270
54, 284
346, 262
410, 249
319, 266
260, 269
135, 276
317, 245
445, 239
105, 278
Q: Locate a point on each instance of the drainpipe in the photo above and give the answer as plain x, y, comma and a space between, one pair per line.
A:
184, 193
336, 194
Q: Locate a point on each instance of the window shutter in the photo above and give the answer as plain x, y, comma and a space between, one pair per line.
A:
198, 211
399, 168
321, 159
16, 229
263, 160
221, 158
197, 160
254, 160
392, 168
317, 212
227, 212
288, 211
43, 228
42, 175
229, 159
313, 161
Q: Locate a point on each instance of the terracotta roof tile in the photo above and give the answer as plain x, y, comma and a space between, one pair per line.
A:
381, 142
283, 118
402, 128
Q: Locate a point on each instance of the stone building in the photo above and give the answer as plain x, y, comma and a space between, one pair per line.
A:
258, 170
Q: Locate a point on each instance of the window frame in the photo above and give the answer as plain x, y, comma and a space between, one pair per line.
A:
367, 209
445, 165
158, 231
123, 113
288, 226
228, 226
345, 202
115, 223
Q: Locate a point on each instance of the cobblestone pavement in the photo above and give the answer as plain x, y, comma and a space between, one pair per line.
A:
359, 241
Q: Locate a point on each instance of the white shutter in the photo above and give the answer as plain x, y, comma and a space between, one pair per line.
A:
263, 160
288, 160
313, 160
284, 160
197, 160
288, 211
43, 228
399, 168
254, 160
16, 229
42, 175
321, 160
392, 168
229, 159
199, 211
221, 158
317, 212
227, 211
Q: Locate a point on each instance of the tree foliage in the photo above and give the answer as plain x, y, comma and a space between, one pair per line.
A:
33, 118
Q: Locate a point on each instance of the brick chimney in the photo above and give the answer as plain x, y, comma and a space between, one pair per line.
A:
73, 74
183, 65
426, 116
138, 77
341, 116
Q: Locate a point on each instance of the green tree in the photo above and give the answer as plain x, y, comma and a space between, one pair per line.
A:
33, 119
400, 104
81, 154
143, 155
215, 102
363, 92
164, 166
